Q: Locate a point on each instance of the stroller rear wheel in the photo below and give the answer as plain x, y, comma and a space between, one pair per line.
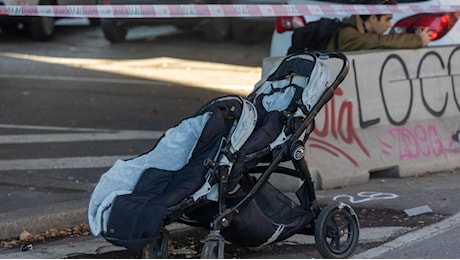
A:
337, 231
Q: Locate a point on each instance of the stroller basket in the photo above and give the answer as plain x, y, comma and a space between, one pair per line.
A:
213, 170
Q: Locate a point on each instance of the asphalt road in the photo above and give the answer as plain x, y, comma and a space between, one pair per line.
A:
71, 106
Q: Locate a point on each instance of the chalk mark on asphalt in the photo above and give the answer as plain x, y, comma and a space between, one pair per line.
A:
368, 196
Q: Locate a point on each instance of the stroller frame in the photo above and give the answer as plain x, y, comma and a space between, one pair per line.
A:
329, 224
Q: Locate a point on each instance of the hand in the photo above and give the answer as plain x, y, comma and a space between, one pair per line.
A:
425, 34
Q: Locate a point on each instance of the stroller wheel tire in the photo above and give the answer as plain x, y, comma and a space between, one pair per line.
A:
337, 231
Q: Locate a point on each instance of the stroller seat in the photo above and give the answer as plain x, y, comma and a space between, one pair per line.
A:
132, 197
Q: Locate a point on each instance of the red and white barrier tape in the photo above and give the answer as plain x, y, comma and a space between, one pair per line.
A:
212, 10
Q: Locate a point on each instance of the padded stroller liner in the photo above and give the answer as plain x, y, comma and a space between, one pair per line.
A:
301, 70
136, 218
172, 152
267, 129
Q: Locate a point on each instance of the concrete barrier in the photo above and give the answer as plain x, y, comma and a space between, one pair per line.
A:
396, 110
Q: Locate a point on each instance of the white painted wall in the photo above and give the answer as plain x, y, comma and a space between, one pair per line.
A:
395, 108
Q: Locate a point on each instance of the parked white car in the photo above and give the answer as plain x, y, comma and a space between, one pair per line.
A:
445, 30
39, 27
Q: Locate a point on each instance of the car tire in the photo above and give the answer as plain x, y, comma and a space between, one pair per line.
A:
217, 29
113, 30
42, 28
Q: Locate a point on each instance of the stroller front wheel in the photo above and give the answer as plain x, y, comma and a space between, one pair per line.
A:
213, 246
157, 249
337, 231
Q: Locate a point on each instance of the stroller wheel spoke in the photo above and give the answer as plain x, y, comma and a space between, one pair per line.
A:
335, 243
331, 231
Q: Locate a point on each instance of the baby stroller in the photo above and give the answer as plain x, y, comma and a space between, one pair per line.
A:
213, 170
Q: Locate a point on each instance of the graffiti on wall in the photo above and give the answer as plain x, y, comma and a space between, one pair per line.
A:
396, 59
417, 142
339, 125
404, 142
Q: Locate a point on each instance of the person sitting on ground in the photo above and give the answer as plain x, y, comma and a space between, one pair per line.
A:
367, 32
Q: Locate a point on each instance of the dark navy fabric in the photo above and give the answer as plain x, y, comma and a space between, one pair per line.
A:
268, 128
136, 218
270, 215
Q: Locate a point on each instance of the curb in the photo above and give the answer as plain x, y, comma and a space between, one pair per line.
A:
367, 235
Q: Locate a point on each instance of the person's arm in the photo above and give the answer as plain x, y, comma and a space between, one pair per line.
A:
352, 40
425, 35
